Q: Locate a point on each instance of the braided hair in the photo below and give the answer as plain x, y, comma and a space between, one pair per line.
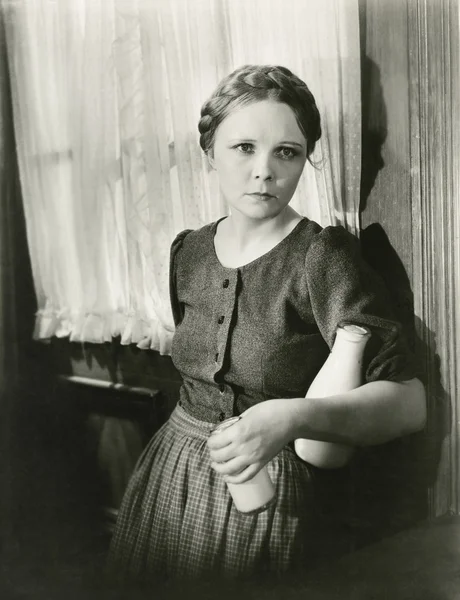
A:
253, 83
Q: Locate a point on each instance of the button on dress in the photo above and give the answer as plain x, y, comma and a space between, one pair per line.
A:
245, 335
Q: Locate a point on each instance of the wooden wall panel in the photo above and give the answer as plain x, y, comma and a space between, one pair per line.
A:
391, 481
386, 132
435, 143
411, 208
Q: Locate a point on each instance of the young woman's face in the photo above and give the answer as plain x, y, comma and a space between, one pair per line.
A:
259, 153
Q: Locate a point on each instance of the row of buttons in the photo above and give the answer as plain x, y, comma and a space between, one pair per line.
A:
220, 320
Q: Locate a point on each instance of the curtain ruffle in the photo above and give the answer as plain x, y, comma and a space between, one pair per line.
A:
97, 329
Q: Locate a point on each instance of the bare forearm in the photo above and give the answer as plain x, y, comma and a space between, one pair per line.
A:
371, 414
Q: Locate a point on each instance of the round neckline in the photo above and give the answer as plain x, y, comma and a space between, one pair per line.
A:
259, 258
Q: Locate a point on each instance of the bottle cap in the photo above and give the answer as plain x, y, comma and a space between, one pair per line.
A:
354, 332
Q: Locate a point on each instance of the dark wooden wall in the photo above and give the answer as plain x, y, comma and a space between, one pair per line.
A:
386, 124
411, 207
388, 478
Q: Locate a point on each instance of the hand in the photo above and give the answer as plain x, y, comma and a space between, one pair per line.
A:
240, 451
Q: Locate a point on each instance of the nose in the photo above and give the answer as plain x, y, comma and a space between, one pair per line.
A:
263, 168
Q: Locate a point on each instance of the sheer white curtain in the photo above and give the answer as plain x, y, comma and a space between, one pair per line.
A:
106, 97
108, 176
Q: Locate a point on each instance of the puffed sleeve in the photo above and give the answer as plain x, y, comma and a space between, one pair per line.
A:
176, 246
343, 288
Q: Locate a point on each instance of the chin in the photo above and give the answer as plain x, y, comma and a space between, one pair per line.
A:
259, 214
259, 211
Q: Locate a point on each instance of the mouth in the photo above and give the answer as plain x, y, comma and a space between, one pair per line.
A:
262, 195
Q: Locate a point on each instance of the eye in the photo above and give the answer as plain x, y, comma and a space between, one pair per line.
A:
286, 153
245, 148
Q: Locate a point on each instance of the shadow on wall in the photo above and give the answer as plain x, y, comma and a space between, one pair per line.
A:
374, 127
392, 481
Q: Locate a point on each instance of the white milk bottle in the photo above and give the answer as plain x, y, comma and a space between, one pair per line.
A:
341, 372
252, 496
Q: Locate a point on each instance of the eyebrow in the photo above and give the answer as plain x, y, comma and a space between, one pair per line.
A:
292, 143
279, 144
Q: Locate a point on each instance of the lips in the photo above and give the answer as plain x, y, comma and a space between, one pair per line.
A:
262, 195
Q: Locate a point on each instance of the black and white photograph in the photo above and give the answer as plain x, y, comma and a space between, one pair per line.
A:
230, 299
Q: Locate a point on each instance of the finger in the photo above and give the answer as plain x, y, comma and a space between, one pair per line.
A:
231, 467
221, 439
245, 475
222, 455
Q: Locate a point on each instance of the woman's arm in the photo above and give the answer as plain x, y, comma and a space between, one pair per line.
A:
372, 414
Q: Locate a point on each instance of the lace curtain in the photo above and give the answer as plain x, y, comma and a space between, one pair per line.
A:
106, 97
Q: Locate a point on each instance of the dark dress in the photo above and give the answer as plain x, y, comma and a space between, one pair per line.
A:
245, 335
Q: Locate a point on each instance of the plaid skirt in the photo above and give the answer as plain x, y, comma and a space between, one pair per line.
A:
178, 520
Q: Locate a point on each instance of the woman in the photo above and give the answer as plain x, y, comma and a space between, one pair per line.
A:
257, 297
